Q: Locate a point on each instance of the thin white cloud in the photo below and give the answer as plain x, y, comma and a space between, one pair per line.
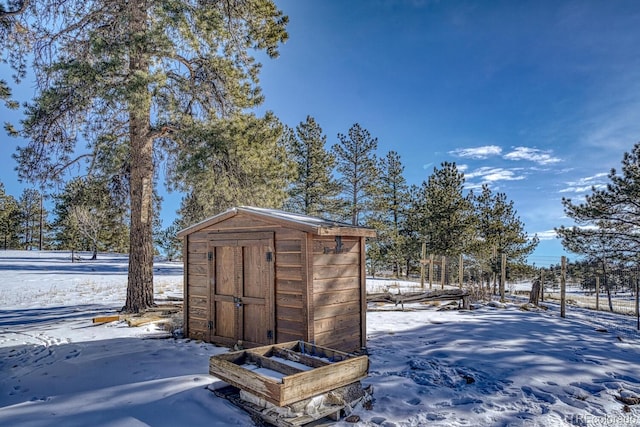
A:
586, 184
477, 152
547, 235
462, 168
490, 175
472, 186
533, 155
580, 189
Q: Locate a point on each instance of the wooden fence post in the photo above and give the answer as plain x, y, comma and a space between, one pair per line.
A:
563, 287
443, 272
423, 259
542, 284
597, 293
494, 275
431, 259
460, 271
503, 276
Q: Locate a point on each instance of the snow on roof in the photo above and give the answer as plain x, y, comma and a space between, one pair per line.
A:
310, 223
296, 217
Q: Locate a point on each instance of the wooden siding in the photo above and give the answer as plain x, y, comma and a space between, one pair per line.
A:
197, 287
290, 285
337, 293
318, 282
241, 223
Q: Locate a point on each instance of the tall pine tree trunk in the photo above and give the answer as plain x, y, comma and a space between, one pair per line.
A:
140, 283
606, 285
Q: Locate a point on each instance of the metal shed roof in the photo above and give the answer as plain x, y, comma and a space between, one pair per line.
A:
307, 223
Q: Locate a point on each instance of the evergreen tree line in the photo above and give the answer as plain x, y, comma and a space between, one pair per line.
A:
258, 161
296, 170
85, 217
22, 221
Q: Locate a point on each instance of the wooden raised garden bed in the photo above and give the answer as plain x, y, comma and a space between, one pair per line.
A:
290, 372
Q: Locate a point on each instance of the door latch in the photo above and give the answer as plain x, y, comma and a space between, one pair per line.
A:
237, 301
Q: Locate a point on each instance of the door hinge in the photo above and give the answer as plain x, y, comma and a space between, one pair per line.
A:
269, 256
210, 256
270, 335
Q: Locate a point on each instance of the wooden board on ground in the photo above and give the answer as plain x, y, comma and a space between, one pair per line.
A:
158, 313
296, 370
135, 321
416, 297
106, 319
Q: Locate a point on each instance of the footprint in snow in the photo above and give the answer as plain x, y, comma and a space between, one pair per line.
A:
467, 400
73, 354
625, 378
608, 383
435, 417
589, 387
539, 394
415, 401
576, 403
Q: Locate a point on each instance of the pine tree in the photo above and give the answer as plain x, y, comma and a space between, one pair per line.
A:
499, 227
443, 215
87, 217
169, 242
190, 211
499, 231
8, 19
357, 166
32, 219
314, 191
226, 163
9, 220
137, 74
389, 214
609, 219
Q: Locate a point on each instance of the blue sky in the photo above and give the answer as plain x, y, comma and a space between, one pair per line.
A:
539, 99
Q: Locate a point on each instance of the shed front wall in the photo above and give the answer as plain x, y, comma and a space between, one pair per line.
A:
318, 293
290, 291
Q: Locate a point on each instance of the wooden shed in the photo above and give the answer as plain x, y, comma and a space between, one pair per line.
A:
262, 276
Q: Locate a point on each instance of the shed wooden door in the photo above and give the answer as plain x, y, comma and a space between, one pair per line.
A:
242, 289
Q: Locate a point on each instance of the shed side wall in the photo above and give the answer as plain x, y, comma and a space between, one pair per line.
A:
197, 287
337, 293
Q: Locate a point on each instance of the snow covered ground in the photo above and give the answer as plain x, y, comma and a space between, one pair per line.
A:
491, 366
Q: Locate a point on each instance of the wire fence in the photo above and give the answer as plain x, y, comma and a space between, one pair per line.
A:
588, 287
621, 305
615, 290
